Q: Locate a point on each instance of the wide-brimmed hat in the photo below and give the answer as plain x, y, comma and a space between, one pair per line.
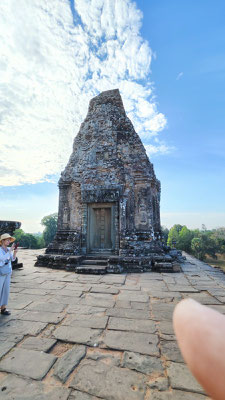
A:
6, 236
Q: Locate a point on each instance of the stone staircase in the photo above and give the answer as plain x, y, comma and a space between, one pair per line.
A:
94, 264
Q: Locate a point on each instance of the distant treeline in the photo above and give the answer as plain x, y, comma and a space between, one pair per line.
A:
200, 243
38, 241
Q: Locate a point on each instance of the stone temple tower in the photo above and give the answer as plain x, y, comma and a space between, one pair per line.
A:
109, 200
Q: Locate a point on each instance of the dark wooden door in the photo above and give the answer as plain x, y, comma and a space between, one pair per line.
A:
100, 228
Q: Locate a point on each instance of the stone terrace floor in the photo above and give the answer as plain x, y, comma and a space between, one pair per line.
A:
87, 337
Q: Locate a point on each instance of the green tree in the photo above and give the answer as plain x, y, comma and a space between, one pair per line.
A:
28, 240
50, 224
185, 237
173, 235
203, 245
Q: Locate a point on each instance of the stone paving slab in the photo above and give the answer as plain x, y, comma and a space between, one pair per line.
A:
181, 378
92, 301
105, 355
104, 289
127, 313
77, 395
15, 388
124, 321
141, 363
84, 309
135, 325
51, 318
175, 395
144, 343
77, 334
20, 327
28, 363
133, 296
109, 382
43, 306
69, 293
5, 347
11, 337
163, 311
66, 364
89, 321
171, 351
38, 344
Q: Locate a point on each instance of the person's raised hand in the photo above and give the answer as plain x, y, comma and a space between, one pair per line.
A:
200, 333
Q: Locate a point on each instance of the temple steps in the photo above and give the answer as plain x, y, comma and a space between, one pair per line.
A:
93, 264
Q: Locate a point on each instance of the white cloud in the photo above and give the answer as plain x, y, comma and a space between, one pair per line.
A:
158, 148
50, 67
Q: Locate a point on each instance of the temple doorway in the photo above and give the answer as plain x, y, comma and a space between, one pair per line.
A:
101, 227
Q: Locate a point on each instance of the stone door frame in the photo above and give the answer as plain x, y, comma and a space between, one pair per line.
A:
114, 224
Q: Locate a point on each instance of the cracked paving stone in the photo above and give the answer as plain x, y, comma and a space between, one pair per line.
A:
78, 334
181, 378
38, 344
141, 363
28, 363
15, 388
135, 325
68, 362
109, 382
137, 342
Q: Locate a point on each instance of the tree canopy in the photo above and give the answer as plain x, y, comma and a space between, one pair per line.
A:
200, 243
50, 224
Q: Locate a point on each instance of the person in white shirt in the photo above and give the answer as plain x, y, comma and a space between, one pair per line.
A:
7, 254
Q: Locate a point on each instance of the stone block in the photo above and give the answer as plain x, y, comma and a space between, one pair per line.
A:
77, 334
38, 344
66, 364
28, 363
181, 378
13, 387
135, 325
143, 343
109, 382
142, 363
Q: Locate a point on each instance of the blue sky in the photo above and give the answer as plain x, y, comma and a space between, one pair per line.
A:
168, 60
